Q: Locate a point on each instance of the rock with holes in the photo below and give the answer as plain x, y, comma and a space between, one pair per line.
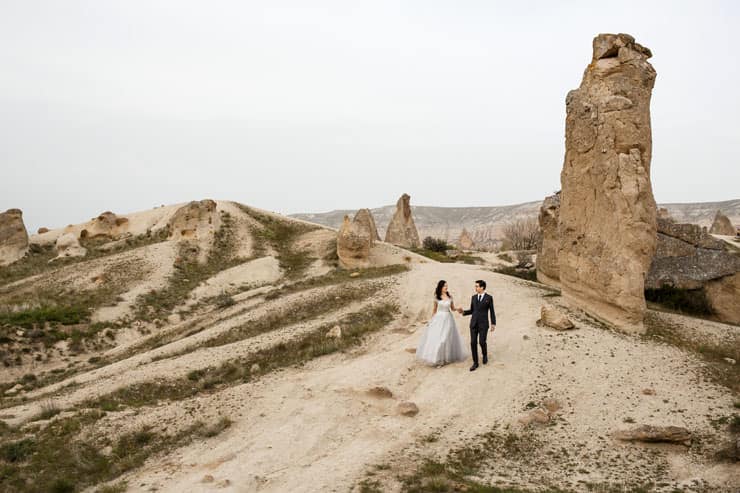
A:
547, 250
68, 245
722, 225
13, 236
402, 229
607, 222
193, 221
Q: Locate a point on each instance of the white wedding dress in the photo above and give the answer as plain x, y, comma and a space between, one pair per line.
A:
441, 342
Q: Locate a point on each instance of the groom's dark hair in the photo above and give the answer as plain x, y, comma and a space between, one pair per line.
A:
481, 283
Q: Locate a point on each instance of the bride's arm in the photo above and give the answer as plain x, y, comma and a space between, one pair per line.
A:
434, 309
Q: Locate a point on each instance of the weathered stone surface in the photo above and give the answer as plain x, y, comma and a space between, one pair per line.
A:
723, 295
607, 224
106, 225
402, 230
554, 318
365, 218
382, 392
408, 409
67, 245
690, 233
13, 236
691, 271
648, 433
195, 220
354, 241
722, 225
466, 241
547, 251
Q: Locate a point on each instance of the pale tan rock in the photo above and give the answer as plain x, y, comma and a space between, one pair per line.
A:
353, 245
67, 245
607, 224
722, 225
365, 218
466, 241
554, 318
547, 251
651, 434
106, 225
407, 408
195, 220
13, 236
42, 230
723, 295
402, 230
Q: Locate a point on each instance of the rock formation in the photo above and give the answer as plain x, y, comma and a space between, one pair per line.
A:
42, 230
402, 230
607, 225
547, 251
365, 218
554, 318
13, 236
106, 225
354, 242
722, 225
466, 241
67, 245
196, 220
688, 257
664, 214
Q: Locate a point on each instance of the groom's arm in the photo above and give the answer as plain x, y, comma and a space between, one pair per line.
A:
468, 312
493, 314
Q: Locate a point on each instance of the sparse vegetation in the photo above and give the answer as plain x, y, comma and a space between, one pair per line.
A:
356, 326
435, 245
59, 458
522, 234
522, 273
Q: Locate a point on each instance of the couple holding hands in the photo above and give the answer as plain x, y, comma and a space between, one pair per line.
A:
441, 343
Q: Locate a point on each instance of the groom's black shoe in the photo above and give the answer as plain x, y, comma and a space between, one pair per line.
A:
485, 360
475, 365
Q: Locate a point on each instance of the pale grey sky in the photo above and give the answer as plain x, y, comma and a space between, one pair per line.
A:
312, 106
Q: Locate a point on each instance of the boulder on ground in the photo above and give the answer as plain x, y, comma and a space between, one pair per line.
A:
554, 318
723, 295
408, 409
382, 392
67, 245
42, 230
13, 236
653, 434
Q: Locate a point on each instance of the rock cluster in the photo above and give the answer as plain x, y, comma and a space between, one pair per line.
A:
722, 225
607, 219
13, 236
402, 230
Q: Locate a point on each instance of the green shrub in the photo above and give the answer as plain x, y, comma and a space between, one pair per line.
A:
435, 244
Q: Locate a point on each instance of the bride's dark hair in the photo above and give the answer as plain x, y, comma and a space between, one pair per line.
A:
438, 291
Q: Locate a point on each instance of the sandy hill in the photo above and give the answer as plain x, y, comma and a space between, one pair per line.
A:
486, 223
199, 351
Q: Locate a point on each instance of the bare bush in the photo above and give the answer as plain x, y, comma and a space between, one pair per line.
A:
522, 234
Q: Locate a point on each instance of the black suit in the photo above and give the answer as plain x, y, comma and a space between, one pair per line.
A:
479, 324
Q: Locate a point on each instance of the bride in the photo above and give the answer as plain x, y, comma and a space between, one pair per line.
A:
441, 342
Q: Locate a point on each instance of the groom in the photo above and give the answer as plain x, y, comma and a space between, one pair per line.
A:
480, 305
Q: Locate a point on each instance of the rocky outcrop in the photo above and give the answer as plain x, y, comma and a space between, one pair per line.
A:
607, 226
196, 220
689, 258
402, 230
365, 218
106, 225
13, 236
547, 251
68, 245
664, 214
722, 225
354, 242
466, 241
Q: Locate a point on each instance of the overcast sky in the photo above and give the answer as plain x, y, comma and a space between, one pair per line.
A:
127, 105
